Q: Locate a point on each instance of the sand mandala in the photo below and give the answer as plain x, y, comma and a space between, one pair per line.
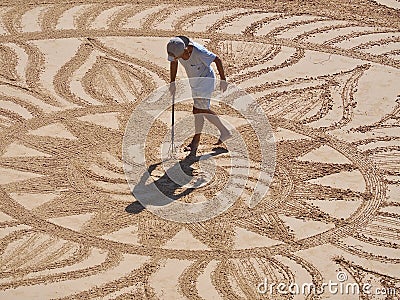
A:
312, 199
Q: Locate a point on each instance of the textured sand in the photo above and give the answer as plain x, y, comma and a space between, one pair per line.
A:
327, 78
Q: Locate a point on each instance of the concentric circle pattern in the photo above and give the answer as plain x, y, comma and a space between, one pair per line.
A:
194, 173
94, 206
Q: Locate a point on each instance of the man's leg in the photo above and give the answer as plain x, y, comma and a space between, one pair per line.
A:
198, 127
213, 118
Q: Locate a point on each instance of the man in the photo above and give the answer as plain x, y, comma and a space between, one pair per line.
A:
196, 60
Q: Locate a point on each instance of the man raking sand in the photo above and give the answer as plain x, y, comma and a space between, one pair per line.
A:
196, 60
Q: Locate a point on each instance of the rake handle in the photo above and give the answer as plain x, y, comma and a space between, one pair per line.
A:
173, 123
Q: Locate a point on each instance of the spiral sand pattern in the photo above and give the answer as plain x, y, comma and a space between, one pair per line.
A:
71, 75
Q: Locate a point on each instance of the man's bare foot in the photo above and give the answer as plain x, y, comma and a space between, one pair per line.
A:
191, 148
223, 138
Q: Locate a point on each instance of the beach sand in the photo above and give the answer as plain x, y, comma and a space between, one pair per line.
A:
74, 72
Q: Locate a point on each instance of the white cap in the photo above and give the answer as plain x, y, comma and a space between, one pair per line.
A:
175, 48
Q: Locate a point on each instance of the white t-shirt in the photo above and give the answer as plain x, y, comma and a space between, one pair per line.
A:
198, 69
199, 62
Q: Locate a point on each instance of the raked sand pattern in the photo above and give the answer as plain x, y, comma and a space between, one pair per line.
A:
72, 74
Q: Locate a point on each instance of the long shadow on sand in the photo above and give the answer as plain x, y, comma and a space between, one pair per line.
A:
166, 185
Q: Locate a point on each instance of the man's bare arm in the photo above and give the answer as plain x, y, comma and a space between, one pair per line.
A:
220, 68
173, 68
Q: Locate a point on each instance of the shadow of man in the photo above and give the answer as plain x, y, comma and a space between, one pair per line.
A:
166, 186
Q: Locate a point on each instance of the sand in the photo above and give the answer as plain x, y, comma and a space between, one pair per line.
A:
326, 75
